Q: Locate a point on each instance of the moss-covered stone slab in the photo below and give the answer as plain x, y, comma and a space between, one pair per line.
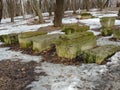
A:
9, 39
107, 21
99, 54
107, 31
25, 39
116, 33
44, 42
25, 42
86, 15
70, 46
72, 28
31, 34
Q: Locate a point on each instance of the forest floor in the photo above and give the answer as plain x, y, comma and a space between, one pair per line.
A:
15, 75
25, 70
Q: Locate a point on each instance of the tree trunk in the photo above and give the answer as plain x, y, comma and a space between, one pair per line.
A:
11, 9
36, 8
22, 8
74, 7
119, 14
58, 13
1, 9
86, 4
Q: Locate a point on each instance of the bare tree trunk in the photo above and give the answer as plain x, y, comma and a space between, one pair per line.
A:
86, 5
74, 7
119, 14
22, 8
101, 4
51, 7
58, 13
36, 8
11, 9
1, 9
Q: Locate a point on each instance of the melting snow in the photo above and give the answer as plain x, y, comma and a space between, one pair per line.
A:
5, 54
106, 41
56, 32
95, 32
60, 77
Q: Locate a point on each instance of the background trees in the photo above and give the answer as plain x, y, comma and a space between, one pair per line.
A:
12, 8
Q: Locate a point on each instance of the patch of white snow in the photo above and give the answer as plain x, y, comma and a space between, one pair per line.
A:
5, 54
105, 41
56, 32
60, 77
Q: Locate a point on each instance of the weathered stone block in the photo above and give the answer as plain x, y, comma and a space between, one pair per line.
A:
86, 15
116, 33
9, 39
99, 54
31, 34
25, 39
72, 28
25, 42
70, 46
107, 21
106, 31
44, 42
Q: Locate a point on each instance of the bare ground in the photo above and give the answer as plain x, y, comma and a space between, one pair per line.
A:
15, 75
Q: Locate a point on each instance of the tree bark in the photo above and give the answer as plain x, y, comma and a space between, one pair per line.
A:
1, 9
11, 9
58, 13
36, 8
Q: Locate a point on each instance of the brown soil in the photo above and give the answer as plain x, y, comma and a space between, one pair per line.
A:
15, 75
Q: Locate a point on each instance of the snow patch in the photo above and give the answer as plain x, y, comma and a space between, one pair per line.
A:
5, 54
93, 23
60, 77
105, 41
95, 32
115, 59
56, 32
69, 20
22, 28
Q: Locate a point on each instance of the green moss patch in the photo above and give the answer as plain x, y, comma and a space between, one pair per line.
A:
99, 54
70, 46
9, 39
116, 33
72, 28
86, 15
31, 34
107, 31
